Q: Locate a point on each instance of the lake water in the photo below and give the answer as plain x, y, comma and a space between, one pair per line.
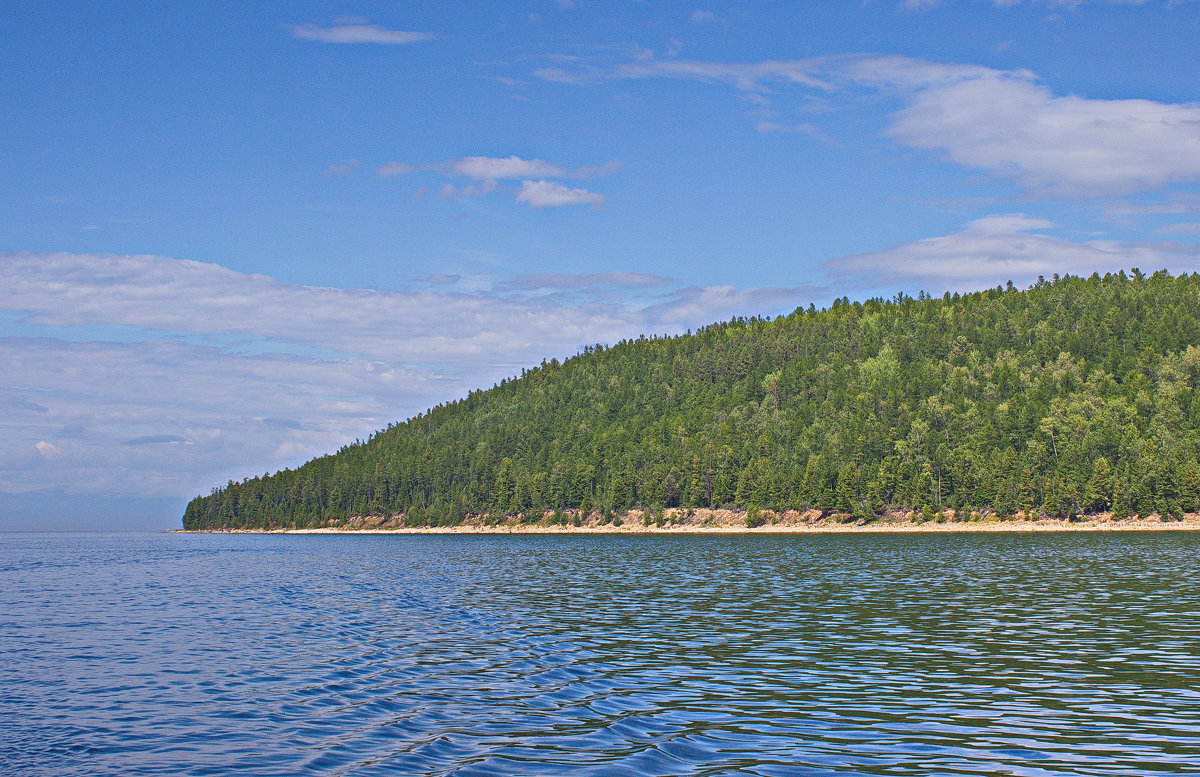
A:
948, 654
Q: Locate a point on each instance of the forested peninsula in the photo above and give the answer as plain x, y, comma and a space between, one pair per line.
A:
1074, 397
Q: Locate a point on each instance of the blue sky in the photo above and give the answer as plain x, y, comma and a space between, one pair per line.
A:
236, 235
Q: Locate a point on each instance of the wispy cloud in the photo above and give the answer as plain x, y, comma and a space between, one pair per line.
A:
221, 373
803, 128
485, 168
1004, 123
342, 169
155, 439
597, 171
180, 296
696, 303
1186, 228
168, 418
1175, 204
550, 194
1000, 248
486, 174
749, 76
357, 33
926, 5
394, 170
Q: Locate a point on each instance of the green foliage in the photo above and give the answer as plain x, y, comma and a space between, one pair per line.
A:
1077, 395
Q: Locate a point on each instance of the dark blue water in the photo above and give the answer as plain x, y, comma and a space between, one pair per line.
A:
1060, 654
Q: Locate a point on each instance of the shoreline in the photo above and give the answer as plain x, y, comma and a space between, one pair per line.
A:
1188, 524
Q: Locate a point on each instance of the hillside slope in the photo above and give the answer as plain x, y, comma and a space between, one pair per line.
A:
1073, 396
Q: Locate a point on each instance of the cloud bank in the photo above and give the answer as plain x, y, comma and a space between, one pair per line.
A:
156, 376
996, 249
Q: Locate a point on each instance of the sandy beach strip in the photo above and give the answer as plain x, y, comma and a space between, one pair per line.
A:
1189, 523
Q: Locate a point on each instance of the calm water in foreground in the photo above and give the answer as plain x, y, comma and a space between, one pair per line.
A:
1047, 654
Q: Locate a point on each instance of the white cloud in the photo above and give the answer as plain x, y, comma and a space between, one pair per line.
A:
357, 33
393, 170
487, 174
170, 295
1000, 248
485, 168
225, 374
824, 73
908, 73
1007, 224
477, 189
550, 194
1002, 122
703, 17
1069, 146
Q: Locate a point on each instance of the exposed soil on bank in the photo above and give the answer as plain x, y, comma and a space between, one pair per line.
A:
703, 521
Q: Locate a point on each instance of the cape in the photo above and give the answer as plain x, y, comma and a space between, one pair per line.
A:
1073, 396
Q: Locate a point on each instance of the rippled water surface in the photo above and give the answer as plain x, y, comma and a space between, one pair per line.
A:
1047, 654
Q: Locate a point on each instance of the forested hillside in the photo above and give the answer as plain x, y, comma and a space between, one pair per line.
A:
1074, 396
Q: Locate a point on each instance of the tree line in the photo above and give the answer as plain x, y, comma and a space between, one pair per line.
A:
1073, 396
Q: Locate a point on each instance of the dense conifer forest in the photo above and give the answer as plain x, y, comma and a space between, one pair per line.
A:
1074, 396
